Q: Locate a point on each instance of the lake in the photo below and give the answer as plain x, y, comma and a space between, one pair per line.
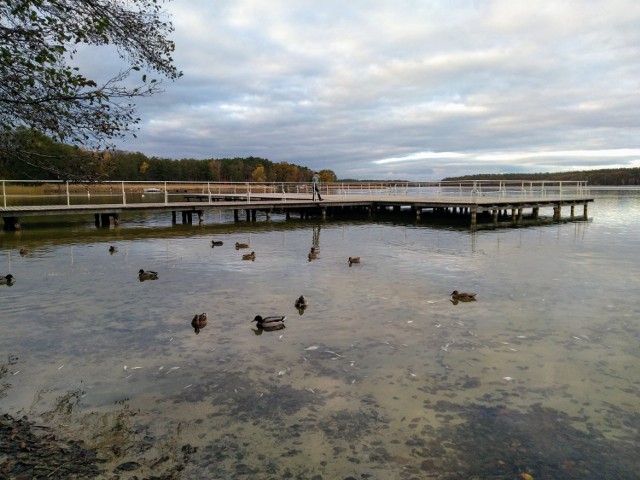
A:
382, 376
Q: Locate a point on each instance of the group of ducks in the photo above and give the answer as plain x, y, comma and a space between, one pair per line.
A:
269, 323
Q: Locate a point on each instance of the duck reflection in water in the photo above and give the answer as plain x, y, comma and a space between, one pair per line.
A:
199, 322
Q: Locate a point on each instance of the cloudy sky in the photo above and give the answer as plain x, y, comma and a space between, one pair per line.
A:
402, 89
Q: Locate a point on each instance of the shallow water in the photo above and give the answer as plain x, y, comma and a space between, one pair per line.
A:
381, 377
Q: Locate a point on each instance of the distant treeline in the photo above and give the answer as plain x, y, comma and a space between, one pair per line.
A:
605, 176
30, 155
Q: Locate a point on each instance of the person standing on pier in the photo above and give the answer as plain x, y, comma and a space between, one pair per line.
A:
316, 186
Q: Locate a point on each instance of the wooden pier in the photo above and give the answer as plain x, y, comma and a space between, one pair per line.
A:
476, 202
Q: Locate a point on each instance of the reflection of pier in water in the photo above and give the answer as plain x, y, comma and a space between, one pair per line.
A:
473, 204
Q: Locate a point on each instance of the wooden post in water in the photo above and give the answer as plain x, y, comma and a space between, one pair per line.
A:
474, 217
235, 215
173, 217
585, 210
200, 216
573, 208
535, 212
556, 213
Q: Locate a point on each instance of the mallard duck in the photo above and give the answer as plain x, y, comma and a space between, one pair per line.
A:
463, 297
199, 321
313, 255
6, 280
241, 245
148, 275
270, 323
301, 303
113, 249
23, 251
216, 243
353, 260
249, 256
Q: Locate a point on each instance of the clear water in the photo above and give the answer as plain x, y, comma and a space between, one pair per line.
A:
381, 377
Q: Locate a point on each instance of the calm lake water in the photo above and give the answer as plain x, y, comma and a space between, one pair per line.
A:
382, 376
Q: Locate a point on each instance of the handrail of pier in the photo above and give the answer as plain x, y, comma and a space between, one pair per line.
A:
48, 192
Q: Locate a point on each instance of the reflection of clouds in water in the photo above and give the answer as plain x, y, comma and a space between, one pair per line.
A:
551, 314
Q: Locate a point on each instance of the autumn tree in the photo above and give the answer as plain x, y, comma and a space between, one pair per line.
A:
258, 174
43, 89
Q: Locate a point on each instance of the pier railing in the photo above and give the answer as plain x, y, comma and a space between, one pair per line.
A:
51, 192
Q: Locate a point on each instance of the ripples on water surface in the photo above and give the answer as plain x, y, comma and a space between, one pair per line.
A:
381, 377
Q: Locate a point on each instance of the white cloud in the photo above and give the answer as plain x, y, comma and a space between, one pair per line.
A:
493, 85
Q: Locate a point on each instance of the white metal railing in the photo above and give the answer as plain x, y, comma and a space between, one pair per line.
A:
52, 192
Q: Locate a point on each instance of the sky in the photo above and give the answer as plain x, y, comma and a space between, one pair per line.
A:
405, 89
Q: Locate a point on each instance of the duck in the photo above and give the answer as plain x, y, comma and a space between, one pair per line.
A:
6, 280
462, 296
249, 256
199, 322
147, 275
301, 303
113, 249
23, 251
353, 260
270, 323
313, 255
216, 243
241, 245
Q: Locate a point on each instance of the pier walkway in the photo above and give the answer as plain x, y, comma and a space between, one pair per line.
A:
479, 201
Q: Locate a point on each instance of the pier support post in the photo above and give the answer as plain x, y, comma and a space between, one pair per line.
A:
253, 214
287, 215
418, 212
474, 217
268, 213
495, 215
573, 211
535, 211
323, 212
200, 217
513, 215
520, 210
556, 213
247, 213
173, 217
585, 212
12, 224
235, 215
